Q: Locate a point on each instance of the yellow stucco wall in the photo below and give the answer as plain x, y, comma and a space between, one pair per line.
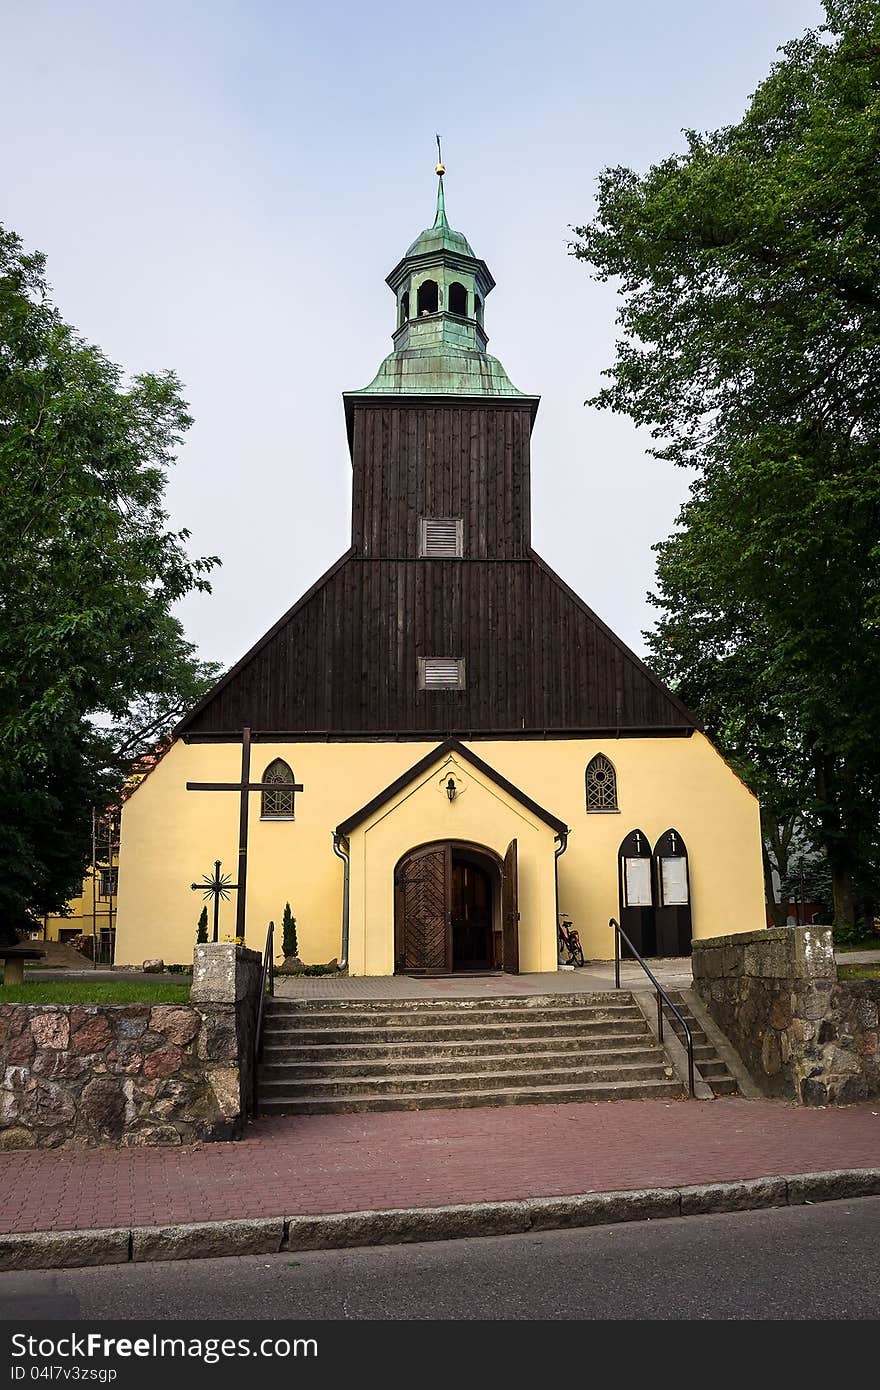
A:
80, 917
170, 838
481, 813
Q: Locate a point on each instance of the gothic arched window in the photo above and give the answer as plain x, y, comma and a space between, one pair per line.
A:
278, 805
601, 784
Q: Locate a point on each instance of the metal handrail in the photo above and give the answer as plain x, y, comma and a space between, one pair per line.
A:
662, 996
267, 985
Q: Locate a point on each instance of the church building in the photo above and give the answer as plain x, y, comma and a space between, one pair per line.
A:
440, 747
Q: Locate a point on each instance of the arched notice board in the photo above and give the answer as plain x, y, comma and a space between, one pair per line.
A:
636, 891
672, 911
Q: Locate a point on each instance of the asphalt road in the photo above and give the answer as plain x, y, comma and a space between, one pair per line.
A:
819, 1261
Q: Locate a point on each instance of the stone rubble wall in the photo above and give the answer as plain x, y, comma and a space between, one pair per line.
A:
90, 1075
802, 1034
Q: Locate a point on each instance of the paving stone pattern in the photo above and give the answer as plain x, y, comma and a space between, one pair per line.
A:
425, 1158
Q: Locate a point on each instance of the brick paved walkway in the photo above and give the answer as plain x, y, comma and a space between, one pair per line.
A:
332, 1163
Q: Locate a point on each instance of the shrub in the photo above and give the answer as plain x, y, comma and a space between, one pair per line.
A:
288, 933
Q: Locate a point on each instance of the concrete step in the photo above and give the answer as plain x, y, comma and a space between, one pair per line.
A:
520, 1003
287, 1064
711, 1070
408, 1018
330, 1052
724, 1086
454, 1032
457, 1100
487, 1070
711, 1067
452, 1081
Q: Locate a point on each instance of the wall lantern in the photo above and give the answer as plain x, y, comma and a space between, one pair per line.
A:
451, 789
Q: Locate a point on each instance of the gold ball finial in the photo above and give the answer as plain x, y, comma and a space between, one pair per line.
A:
440, 169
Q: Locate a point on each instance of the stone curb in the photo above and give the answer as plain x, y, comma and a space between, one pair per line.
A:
64, 1249
205, 1240
347, 1230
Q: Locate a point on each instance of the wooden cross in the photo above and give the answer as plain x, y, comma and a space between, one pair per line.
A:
243, 787
217, 887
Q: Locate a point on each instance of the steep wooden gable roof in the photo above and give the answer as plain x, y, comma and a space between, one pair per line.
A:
343, 661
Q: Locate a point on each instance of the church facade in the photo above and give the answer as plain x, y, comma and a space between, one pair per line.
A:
440, 748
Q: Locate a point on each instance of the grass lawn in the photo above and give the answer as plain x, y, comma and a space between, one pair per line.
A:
95, 992
870, 943
870, 971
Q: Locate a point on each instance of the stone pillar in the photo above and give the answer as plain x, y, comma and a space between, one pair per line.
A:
13, 970
226, 991
214, 971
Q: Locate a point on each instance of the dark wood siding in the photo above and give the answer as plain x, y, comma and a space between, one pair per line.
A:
343, 661
462, 460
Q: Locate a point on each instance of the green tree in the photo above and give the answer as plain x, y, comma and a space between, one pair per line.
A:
288, 933
94, 667
202, 933
749, 274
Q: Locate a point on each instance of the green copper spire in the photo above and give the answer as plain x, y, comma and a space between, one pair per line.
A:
440, 170
440, 341
440, 219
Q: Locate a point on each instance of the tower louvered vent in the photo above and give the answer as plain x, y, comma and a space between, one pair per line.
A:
441, 537
441, 673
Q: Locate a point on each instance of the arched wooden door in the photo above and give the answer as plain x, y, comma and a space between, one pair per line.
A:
441, 923
423, 892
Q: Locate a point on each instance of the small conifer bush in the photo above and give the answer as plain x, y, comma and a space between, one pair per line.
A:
288, 933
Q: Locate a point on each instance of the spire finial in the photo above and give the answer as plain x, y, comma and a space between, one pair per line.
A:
440, 170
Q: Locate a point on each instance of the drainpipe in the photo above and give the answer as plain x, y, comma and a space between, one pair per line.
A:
562, 837
338, 842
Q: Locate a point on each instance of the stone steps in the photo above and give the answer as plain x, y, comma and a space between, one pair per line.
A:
326, 1057
531, 1003
445, 1079
460, 1100
280, 1067
469, 1018
329, 1052
711, 1067
452, 1032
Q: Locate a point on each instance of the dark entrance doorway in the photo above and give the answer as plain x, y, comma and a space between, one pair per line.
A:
471, 914
455, 910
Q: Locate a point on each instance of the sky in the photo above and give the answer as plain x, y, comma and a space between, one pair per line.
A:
221, 188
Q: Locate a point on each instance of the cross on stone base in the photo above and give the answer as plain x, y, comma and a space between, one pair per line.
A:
217, 887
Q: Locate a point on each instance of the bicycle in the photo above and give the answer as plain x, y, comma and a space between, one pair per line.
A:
569, 941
